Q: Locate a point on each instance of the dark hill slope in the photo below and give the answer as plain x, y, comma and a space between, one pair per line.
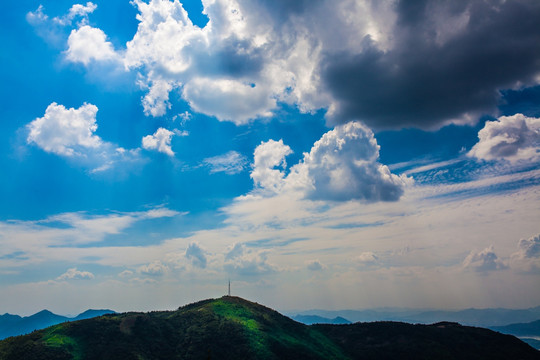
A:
395, 340
233, 328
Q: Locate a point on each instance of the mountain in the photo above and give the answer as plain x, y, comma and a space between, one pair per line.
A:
91, 313
315, 319
527, 332
234, 328
526, 329
11, 325
471, 317
481, 317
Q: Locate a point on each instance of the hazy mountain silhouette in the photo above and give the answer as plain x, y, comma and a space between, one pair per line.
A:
11, 325
234, 328
315, 319
527, 332
471, 317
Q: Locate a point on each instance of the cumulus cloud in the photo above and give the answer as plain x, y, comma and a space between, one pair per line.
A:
315, 265
246, 262
77, 10
197, 255
527, 258
156, 101
71, 133
230, 163
529, 248
34, 17
74, 274
485, 260
367, 258
269, 159
155, 268
341, 166
160, 141
87, 44
126, 274
64, 131
377, 65
514, 138
54, 30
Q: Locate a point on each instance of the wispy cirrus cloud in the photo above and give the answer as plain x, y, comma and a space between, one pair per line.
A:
230, 163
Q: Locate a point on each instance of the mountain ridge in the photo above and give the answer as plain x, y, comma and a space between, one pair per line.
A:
232, 328
13, 325
472, 317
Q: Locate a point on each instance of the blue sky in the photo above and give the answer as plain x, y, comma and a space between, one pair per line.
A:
151, 150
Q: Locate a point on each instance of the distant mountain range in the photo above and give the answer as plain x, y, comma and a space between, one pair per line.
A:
470, 317
314, 319
234, 328
527, 332
11, 325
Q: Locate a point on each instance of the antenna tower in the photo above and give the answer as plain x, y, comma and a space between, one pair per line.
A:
229, 287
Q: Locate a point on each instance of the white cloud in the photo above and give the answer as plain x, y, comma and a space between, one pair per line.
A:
530, 248
514, 138
160, 141
437, 232
36, 17
341, 166
184, 117
230, 163
227, 99
126, 274
254, 55
71, 133
74, 274
315, 265
485, 260
64, 131
231, 69
87, 44
77, 10
267, 157
38, 241
156, 101
246, 262
155, 268
197, 255
367, 258
527, 258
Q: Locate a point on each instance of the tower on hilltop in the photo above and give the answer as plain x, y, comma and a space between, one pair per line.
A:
229, 293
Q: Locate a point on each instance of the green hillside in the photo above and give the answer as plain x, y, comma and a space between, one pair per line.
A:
233, 328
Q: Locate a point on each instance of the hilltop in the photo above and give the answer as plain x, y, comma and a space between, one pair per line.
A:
234, 328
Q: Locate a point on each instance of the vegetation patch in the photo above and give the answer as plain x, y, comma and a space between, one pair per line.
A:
246, 318
55, 337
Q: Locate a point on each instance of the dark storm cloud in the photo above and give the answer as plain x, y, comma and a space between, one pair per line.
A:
428, 78
280, 10
235, 58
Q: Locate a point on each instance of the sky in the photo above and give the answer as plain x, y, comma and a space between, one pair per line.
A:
344, 154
